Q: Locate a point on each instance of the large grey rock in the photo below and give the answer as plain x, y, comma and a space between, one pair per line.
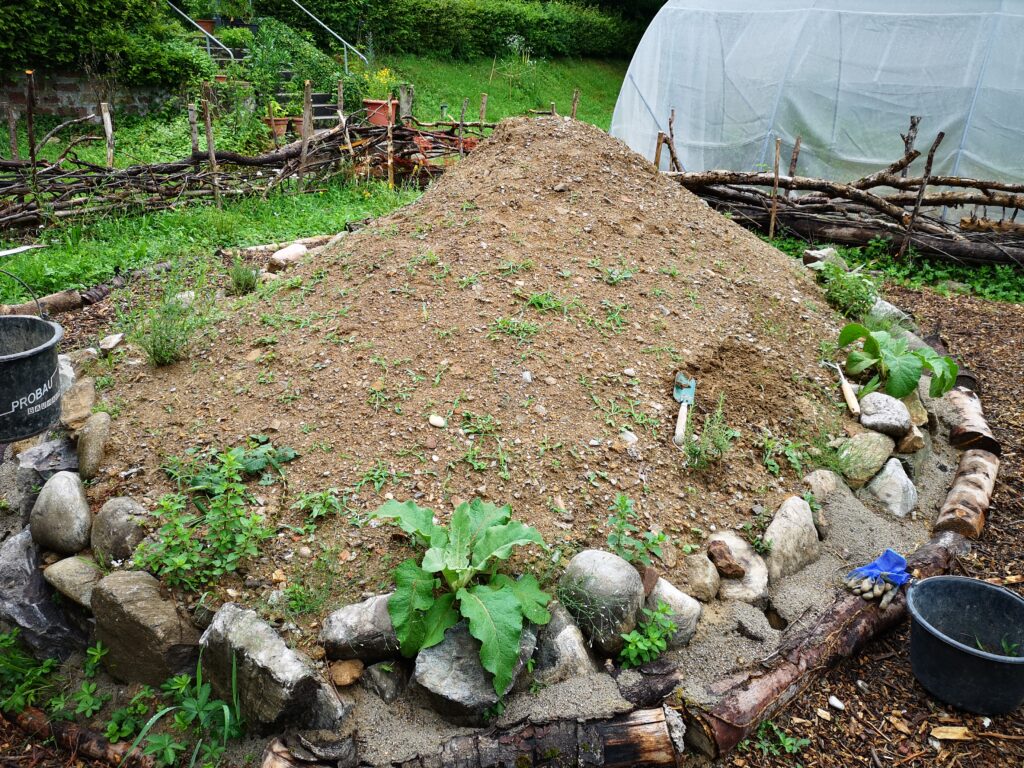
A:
74, 577
605, 595
456, 682
17, 496
893, 489
360, 631
562, 650
49, 457
885, 414
92, 444
699, 577
387, 679
276, 685
26, 601
685, 611
817, 258
118, 529
753, 586
793, 537
863, 455
148, 641
884, 312
61, 519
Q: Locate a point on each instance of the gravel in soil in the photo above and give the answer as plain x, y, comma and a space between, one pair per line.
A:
539, 300
889, 718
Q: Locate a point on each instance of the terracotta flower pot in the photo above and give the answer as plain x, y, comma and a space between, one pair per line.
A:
206, 24
377, 111
279, 125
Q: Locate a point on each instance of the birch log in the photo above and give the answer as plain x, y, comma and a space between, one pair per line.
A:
968, 499
972, 430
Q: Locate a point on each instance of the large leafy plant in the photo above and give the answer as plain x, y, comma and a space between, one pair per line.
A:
458, 577
894, 363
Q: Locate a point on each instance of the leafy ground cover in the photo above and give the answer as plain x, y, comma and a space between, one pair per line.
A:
997, 282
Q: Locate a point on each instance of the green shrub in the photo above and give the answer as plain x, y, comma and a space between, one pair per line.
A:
715, 439
650, 639
166, 330
621, 540
471, 28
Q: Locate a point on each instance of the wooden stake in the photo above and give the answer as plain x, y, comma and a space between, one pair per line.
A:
341, 102
554, 112
462, 128
273, 128
908, 140
391, 155
108, 131
406, 94
210, 149
920, 193
775, 190
792, 163
672, 141
483, 107
306, 131
657, 150
575, 102
193, 127
12, 132
30, 98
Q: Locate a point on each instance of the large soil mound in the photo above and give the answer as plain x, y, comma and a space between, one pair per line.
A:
408, 318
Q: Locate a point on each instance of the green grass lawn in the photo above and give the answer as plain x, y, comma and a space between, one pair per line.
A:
81, 254
535, 87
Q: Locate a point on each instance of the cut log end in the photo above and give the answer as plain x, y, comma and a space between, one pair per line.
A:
970, 495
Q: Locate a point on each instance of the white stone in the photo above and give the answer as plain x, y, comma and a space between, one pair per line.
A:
437, 421
753, 586
893, 489
285, 257
109, 343
793, 537
885, 414
685, 611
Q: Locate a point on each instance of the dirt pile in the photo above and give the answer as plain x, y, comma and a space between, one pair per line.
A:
539, 299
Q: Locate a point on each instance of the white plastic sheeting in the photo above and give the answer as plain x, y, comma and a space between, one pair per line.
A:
844, 75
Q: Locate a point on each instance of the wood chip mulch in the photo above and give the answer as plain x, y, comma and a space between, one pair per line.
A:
889, 720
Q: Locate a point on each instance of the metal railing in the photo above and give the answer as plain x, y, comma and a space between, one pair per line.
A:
209, 37
346, 45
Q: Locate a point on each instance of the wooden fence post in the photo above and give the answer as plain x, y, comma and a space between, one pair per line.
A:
210, 150
12, 131
775, 190
483, 110
108, 131
406, 94
30, 98
575, 102
341, 102
193, 127
462, 127
307, 130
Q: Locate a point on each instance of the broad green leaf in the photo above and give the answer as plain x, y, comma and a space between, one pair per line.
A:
851, 332
418, 521
470, 522
499, 541
858, 362
529, 594
414, 593
945, 371
903, 373
436, 621
495, 619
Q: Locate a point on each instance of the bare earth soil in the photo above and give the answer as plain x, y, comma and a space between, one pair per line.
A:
889, 717
429, 312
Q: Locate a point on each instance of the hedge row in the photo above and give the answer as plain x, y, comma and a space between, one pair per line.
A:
469, 28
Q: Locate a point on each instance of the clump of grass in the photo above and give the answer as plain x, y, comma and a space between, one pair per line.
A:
243, 278
166, 330
714, 441
521, 330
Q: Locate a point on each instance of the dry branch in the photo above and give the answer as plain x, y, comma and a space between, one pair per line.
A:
77, 740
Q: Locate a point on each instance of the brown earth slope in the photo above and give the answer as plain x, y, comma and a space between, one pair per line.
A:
346, 358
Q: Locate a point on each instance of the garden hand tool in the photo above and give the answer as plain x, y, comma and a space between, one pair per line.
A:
683, 392
848, 394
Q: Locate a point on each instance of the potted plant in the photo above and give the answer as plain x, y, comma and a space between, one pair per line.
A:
201, 12
236, 13
281, 118
381, 107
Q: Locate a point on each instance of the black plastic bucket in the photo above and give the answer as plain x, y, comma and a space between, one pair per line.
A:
967, 643
29, 373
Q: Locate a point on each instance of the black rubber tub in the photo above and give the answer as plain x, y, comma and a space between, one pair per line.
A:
967, 643
29, 377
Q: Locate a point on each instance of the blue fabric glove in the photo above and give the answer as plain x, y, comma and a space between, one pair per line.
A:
892, 565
